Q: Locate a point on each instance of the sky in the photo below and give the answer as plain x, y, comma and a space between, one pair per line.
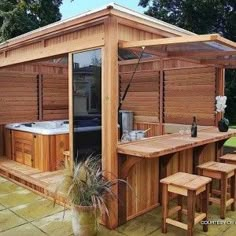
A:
69, 9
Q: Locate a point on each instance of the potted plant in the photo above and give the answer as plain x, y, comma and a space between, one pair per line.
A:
86, 189
223, 124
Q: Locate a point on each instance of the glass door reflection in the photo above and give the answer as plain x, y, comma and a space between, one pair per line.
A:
87, 103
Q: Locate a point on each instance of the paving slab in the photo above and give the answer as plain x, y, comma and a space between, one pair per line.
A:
231, 231
9, 187
9, 220
102, 231
19, 197
2, 179
18, 205
174, 231
2, 207
37, 209
24, 230
140, 226
56, 224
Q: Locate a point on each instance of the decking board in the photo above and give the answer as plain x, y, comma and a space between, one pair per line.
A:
41, 182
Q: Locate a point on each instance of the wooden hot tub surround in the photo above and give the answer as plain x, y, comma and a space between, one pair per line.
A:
182, 151
43, 152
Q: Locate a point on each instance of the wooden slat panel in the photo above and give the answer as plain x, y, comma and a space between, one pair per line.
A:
18, 97
154, 128
55, 97
190, 92
143, 179
143, 95
208, 154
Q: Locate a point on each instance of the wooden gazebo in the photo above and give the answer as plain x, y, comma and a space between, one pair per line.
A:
179, 76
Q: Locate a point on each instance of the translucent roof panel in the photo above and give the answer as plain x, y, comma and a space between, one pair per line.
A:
206, 49
129, 54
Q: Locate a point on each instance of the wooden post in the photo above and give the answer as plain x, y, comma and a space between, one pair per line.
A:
110, 99
232, 190
161, 98
165, 202
220, 85
71, 110
223, 197
122, 189
40, 96
191, 200
204, 205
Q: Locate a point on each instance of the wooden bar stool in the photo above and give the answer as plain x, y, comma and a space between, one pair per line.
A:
222, 172
66, 158
190, 186
229, 158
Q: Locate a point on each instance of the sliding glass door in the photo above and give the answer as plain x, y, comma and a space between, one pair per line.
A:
86, 79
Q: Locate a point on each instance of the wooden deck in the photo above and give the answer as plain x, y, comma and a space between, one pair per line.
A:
40, 182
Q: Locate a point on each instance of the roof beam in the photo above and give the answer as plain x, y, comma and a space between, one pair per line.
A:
225, 41
219, 61
230, 67
151, 51
169, 41
201, 53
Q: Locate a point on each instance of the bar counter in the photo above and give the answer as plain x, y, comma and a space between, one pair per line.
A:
165, 144
143, 163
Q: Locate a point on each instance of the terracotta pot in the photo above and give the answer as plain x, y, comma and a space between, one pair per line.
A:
84, 220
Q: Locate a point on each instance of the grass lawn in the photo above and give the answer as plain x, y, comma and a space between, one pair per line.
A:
232, 141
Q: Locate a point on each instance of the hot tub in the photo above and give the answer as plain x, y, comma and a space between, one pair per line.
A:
56, 127
41, 144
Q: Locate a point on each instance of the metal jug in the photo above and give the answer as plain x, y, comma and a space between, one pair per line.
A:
126, 121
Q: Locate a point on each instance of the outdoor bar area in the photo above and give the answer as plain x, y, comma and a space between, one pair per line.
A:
183, 93
126, 86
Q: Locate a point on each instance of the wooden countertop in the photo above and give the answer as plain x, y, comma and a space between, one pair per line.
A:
169, 143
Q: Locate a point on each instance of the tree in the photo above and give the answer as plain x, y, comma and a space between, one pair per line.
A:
201, 17
21, 16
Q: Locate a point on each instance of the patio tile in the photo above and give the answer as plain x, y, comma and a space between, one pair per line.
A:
214, 229
8, 220
231, 214
56, 224
24, 230
102, 231
37, 209
142, 225
230, 231
8, 187
174, 231
214, 215
2, 207
157, 214
2, 179
18, 198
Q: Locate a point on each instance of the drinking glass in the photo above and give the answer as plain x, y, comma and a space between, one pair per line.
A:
188, 131
181, 132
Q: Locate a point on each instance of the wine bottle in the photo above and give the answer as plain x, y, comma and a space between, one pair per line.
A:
194, 128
